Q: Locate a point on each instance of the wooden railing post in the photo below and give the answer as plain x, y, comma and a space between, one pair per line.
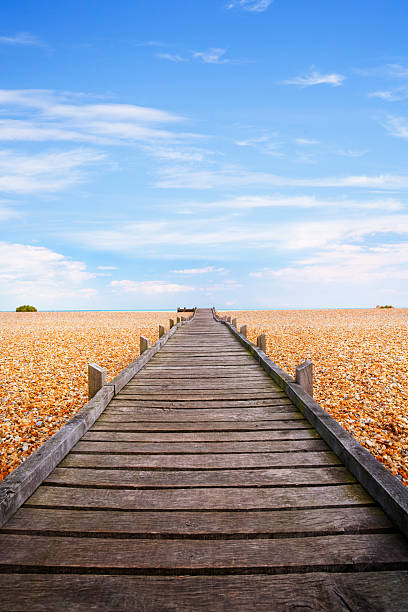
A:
229, 319
96, 379
234, 323
243, 331
162, 331
178, 319
261, 342
171, 322
304, 376
144, 344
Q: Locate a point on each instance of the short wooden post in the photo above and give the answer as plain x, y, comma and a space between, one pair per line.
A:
144, 344
304, 376
234, 323
261, 342
96, 379
178, 319
183, 319
171, 323
162, 331
229, 319
243, 331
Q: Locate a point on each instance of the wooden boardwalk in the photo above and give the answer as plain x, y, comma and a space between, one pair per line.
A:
202, 487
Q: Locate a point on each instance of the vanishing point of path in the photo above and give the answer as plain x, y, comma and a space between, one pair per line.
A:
202, 487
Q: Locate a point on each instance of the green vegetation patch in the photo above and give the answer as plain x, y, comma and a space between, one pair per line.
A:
26, 308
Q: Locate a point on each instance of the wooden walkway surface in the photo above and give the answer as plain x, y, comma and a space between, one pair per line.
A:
202, 487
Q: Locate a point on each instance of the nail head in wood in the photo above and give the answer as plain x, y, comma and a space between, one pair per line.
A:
304, 376
243, 331
144, 344
96, 379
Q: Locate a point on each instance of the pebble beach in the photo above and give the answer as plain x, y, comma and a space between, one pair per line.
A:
360, 369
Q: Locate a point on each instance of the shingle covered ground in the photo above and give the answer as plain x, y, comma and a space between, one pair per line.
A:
360, 360
43, 368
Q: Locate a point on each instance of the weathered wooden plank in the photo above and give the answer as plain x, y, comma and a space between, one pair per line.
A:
268, 523
202, 462
201, 395
337, 592
169, 448
201, 426
193, 436
180, 374
196, 350
210, 478
119, 412
214, 498
204, 368
182, 361
145, 386
350, 552
192, 404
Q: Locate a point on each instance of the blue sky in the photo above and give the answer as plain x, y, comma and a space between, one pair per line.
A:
242, 153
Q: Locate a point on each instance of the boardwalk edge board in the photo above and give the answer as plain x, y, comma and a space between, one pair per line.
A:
380, 483
17, 487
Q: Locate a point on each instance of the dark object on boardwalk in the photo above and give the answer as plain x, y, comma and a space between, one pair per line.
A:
26, 308
184, 309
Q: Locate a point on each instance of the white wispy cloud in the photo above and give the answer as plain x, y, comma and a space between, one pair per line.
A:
107, 268
397, 126
172, 57
36, 274
316, 78
153, 287
351, 152
217, 235
214, 55
304, 201
265, 143
390, 95
7, 211
181, 153
205, 270
50, 116
182, 177
211, 56
21, 39
318, 234
45, 172
306, 141
397, 71
252, 142
254, 6
351, 264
